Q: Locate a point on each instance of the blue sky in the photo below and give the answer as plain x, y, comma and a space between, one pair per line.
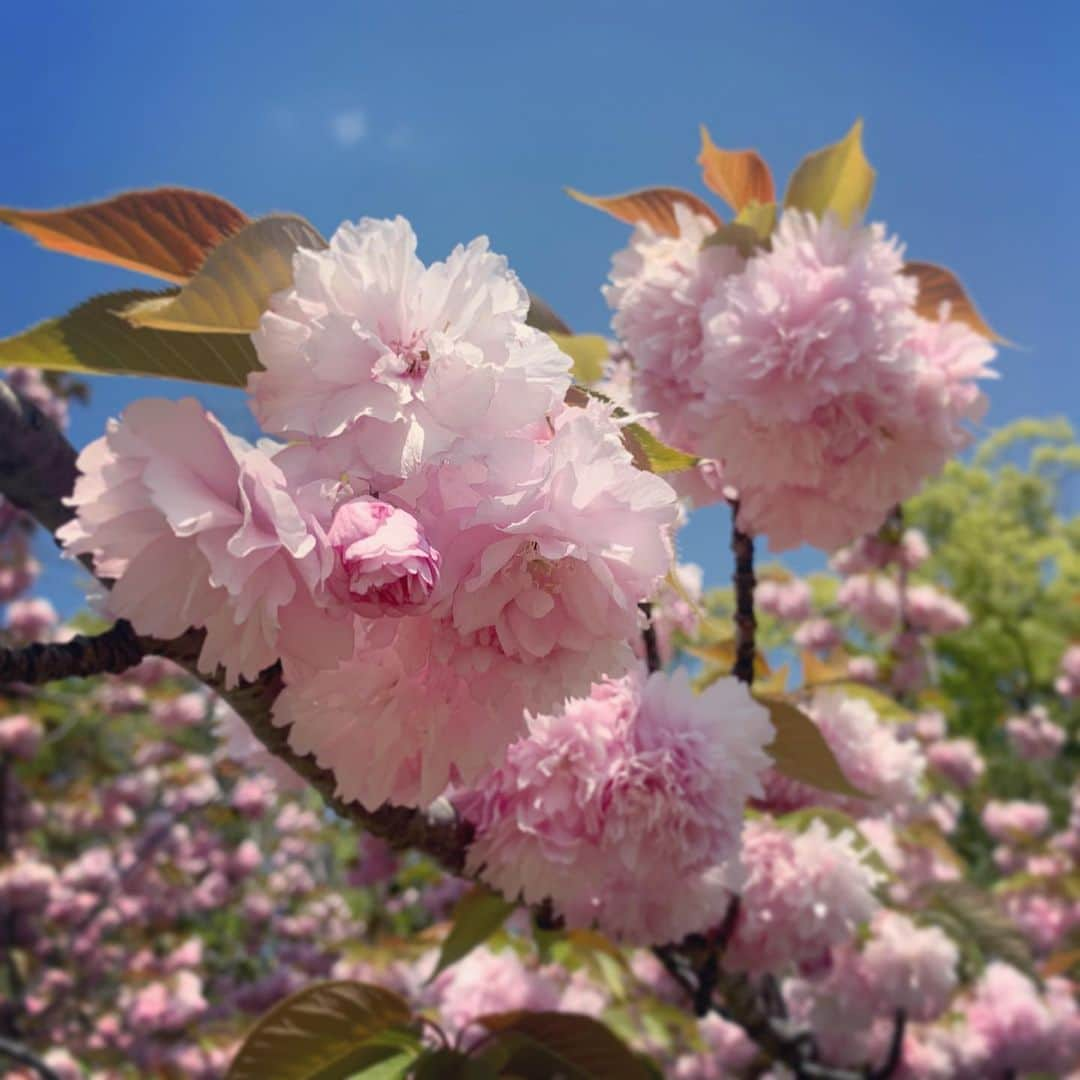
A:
471, 118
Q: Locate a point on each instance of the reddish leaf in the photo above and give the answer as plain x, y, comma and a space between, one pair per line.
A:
739, 177
166, 232
650, 206
937, 285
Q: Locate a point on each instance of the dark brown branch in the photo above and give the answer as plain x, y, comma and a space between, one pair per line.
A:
895, 1054
37, 472
113, 651
648, 636
18, 1053
742, 546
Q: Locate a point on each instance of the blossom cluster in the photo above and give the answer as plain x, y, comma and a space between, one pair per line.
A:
599, 805
803, 369
441, 544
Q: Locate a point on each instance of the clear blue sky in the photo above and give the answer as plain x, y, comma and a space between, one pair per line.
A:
470, 118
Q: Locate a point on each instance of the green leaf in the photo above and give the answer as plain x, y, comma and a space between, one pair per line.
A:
800, 751
232, 289
657, 456
546, 1044
648, 452
92, 339
166, 232
446, 1064
324, 1032
836, 178
478, 914
741, 237
749, 232
970, 915
392, 1064
761, 217
589, 353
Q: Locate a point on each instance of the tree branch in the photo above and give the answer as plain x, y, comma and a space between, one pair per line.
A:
37, 472
18, 1053
742, 546
113, 651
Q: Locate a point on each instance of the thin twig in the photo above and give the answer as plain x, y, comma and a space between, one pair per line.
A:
896, 1049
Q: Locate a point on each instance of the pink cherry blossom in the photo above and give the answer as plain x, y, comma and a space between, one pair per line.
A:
804, 893
197, 529
1067, 683
659, 287
601, 805
934, 612
20, 735
410, 356
872, 756
828, 399
1015, 820
32, 619
957, 760
873, 599
1034, 736
385, 564
787, 600
872, 552
1019, 1028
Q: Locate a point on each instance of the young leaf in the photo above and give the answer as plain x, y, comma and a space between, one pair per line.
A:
233, 288
92, 339
938, 286
165, 232
739, 177
800, 751
324, 1032
836, 178
743, 238
650, 206
547, 1044
817, 672
658, 456
588, 351
722, 653
761, 217
478, 914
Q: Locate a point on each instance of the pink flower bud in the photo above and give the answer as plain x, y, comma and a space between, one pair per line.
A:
385, 564
19, 736
31, 620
